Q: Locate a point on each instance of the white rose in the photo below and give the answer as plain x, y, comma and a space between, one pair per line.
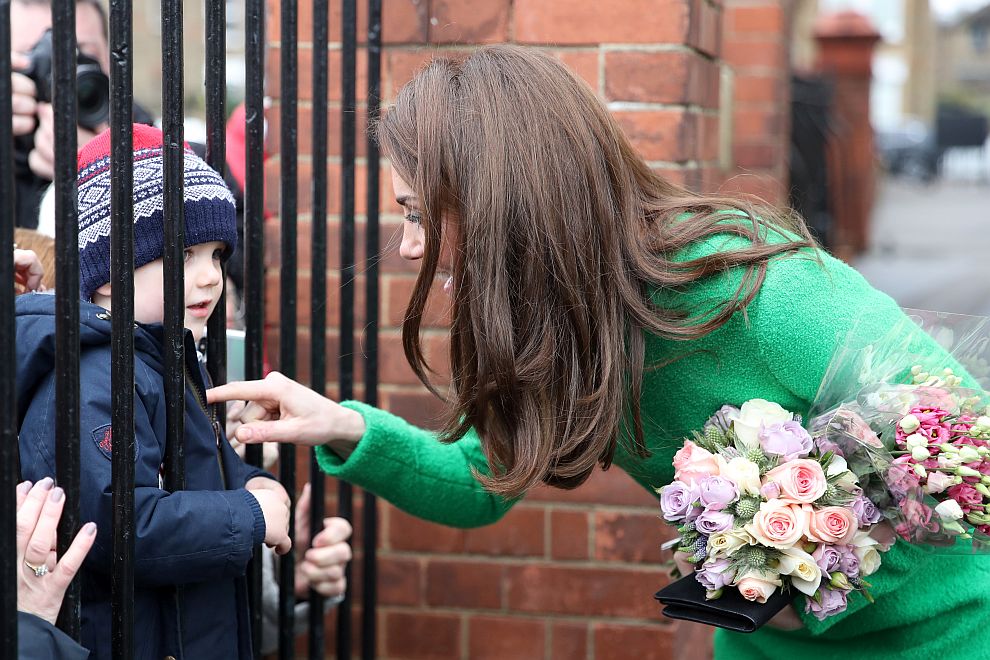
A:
725, 544
836, 466
755, 412
920, 454
916, 440
949, 510
805, 574
744, 473
869, 559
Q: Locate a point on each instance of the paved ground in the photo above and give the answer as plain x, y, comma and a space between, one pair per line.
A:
931, 246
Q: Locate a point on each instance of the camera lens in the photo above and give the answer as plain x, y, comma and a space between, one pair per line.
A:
92, 95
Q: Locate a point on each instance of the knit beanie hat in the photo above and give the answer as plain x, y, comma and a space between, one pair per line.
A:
208, 204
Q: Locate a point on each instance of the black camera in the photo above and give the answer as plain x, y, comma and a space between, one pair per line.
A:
92, 85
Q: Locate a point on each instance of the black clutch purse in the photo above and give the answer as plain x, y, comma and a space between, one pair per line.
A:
685, 599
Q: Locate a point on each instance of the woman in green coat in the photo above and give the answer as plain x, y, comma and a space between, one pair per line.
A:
599, 314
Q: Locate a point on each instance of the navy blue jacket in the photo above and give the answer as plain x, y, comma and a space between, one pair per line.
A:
199, 539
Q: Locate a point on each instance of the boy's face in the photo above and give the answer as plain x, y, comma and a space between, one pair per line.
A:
204, 284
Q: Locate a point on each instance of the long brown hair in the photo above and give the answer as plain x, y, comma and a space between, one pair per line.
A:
562, 231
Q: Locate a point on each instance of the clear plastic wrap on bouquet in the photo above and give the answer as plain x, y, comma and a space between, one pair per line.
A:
908, 413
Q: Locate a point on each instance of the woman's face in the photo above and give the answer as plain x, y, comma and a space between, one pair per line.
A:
413, 238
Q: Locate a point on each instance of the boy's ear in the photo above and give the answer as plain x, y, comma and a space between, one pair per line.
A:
104, 290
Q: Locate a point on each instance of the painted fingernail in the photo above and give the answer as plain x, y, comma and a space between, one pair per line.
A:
57, 495
89, 528
23, 487
46, 483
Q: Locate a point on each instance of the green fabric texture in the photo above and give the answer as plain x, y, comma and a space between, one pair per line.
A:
777, 349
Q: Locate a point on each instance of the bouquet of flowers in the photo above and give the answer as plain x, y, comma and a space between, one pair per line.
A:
765, 506
761, 505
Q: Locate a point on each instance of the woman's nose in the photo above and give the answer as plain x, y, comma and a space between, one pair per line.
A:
411, 247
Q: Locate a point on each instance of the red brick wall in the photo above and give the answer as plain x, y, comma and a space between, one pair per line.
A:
565, 574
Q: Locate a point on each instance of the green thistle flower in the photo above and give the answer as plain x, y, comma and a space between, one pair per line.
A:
754, 556
747, 507
714, 436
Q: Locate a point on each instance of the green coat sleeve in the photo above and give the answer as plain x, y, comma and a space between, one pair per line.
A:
797, 335
411, 469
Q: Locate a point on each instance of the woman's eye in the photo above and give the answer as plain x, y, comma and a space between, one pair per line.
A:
187, 255
217, 254
414, 217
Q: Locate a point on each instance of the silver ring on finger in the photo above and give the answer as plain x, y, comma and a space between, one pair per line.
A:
39, 571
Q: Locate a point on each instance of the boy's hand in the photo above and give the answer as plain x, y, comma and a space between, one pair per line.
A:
275, 509
322, 565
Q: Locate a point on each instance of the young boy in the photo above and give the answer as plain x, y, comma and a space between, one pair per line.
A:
201, 538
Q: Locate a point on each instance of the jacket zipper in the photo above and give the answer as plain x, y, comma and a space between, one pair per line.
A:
214, 422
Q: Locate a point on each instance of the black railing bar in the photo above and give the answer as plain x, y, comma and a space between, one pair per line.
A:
8, 387
287, 300
66, 290
216, 157
173, 220
369, 543
318, 296
254, 252
346, 368
122, 324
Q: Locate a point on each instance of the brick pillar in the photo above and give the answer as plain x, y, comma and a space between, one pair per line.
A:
565, 574
756, 52
845, 52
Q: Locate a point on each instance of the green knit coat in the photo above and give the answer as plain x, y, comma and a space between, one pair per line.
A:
926, 605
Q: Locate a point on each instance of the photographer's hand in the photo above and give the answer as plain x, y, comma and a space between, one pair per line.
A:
42, 158
23, 102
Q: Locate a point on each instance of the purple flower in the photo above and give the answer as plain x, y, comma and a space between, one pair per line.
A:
825, 445
716, 493
715, 575
722, 419
866, 511
849, 562
770, 490
827, 557
710, 522
677, 500
833, 602
788, 440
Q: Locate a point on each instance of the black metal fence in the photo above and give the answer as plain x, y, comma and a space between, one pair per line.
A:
122, 257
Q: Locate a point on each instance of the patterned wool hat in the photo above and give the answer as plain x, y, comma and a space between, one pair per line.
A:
209, 206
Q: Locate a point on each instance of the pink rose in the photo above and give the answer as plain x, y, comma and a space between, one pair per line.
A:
802, 480
916, 520
833, 524
757, 587
778, 524
692, 463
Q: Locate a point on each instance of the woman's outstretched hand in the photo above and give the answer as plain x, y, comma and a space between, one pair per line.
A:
278, 409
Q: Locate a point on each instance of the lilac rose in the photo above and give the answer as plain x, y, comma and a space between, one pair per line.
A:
716, 493
677, 500
827, 557
710, 522
715, 575
825, 445
833, 602
788, 440
866, 511
849, 562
